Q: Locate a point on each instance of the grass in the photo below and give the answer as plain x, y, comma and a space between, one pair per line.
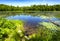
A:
13, 30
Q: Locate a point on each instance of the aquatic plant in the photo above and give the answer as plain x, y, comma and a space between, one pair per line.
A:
13, 30
49, 25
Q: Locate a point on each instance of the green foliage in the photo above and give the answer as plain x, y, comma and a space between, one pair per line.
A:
49, 25
46, 32
31, 8
10, 29
13, 30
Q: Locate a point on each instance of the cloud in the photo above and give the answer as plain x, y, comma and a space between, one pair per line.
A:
28, 2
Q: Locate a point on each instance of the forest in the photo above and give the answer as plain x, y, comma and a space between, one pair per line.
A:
46, 7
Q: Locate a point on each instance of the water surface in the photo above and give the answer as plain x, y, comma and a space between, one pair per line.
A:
33, 19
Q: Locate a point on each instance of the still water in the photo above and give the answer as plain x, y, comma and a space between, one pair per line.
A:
33, 18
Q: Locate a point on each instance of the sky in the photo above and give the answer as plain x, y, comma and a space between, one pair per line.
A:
29, 2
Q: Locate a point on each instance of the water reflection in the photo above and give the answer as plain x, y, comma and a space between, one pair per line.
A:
33, 20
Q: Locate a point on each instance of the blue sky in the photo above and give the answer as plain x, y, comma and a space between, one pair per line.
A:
28, 2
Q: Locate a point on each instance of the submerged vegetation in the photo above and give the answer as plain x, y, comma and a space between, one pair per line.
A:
13, 30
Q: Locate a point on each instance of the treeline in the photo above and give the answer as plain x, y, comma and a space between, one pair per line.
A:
30, 8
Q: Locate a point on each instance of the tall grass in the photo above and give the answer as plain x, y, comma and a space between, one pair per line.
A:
13, 30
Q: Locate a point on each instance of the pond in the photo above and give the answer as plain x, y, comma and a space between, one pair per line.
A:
33, 19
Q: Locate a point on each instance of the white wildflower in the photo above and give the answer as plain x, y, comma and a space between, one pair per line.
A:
19, 31
27, 37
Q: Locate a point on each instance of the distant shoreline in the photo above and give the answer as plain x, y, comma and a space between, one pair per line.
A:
32, 8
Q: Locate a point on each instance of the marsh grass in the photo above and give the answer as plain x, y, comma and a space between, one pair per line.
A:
13, 30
